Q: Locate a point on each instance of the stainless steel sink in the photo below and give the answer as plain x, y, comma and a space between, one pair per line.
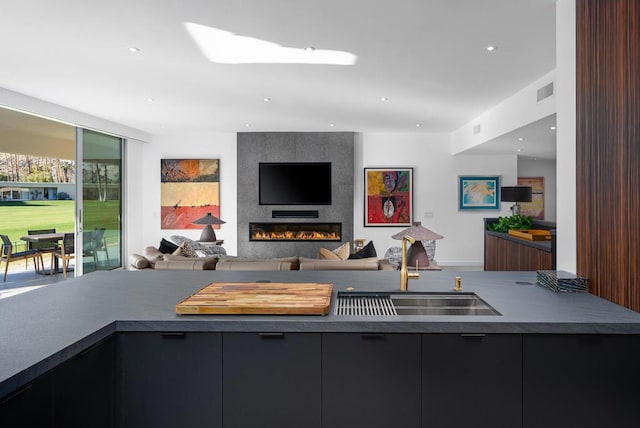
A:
414, 303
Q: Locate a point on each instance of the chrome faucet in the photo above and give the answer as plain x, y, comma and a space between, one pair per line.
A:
405, 275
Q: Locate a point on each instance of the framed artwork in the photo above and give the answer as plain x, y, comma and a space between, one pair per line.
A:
535, 208
388, 197
189, 189
478, 192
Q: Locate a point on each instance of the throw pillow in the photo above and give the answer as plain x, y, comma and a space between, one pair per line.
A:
343, 251
340, 253
325, 254
188, 251
167, 247
367, 251
178, 251
139, 262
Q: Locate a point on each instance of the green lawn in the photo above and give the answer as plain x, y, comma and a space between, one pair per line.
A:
17, 217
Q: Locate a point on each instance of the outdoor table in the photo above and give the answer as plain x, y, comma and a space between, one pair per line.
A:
42, 237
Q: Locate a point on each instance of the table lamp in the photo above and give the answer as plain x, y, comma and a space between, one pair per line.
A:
208, 235
515, 194
417, 253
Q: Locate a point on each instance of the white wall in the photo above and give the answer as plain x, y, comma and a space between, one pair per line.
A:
566, 134
542, 168
204, 145
133, 207
436, 174
435, 184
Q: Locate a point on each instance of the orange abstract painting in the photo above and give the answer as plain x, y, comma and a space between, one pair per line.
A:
535, 208
190, 188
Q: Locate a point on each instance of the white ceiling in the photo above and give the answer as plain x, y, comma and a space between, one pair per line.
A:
536, 140
427, 57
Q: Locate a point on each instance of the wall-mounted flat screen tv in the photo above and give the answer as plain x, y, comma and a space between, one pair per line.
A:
294, 183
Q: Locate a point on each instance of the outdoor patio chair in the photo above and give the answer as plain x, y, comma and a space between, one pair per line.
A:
44, 247
8, 255
64, 252
93, 242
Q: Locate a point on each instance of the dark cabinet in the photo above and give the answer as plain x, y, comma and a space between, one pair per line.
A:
84, 388
169, 380
30, 406
581, 380
272, 380
370, 380
472, 378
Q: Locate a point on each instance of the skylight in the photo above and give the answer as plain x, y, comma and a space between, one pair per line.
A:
226, 47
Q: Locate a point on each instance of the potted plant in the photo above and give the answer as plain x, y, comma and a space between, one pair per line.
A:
518, 221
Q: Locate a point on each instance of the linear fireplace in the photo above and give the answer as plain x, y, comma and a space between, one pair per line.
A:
295, 231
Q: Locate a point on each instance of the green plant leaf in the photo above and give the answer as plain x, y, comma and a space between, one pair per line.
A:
520, 222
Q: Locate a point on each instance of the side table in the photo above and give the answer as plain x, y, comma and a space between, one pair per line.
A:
211, 243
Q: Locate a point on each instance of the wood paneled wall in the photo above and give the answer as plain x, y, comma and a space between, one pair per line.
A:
608, 148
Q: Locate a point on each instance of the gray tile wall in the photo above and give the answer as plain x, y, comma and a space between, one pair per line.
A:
255, 147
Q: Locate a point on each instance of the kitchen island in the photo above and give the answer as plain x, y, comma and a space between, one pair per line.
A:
111, 344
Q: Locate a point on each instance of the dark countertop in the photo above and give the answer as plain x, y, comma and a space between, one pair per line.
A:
42, 328
540, 245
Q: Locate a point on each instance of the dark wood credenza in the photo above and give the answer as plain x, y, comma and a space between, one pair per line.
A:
505, 252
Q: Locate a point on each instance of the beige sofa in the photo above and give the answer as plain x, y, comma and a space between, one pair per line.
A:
152, 258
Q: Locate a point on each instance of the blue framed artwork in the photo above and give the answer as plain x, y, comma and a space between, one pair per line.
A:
478, 192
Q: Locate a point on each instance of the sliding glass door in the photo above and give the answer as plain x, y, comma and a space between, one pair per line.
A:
99, 205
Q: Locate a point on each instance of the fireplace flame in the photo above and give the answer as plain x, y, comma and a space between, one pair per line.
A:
295, 236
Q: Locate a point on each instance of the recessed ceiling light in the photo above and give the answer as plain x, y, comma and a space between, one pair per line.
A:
518, 150
553, 128
520, 139
331, 125
266, 99
151, 100
418, 125
247, 125
383, 99
134, 49
491, 48
309, 48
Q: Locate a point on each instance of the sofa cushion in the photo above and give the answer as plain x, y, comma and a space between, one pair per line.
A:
138, 261
210, 261
152, 254
340, 253
294, 260
187, 250
384, 264
167, 247
172, 262
324, 254
367, 251
253, 265
370, 263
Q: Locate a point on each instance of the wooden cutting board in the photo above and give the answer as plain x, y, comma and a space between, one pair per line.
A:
272, 298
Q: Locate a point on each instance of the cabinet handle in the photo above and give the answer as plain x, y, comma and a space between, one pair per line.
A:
15, 394
92, 347
373, 336
473, 335
173, 334
271, 335
89, 349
